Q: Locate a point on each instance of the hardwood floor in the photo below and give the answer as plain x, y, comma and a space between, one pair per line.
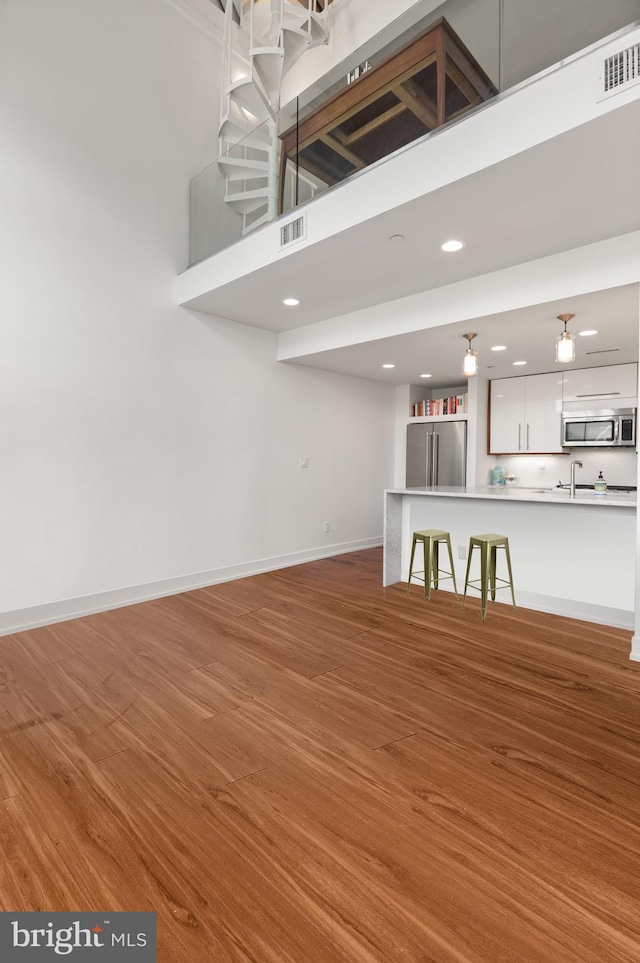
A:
304, 767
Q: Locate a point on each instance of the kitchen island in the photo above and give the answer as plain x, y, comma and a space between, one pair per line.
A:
571, 556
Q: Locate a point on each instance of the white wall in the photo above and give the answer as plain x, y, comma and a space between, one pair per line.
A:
478, 404
618, 465
141, 441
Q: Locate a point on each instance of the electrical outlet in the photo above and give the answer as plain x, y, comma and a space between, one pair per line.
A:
326, 527
304, 462
462, 551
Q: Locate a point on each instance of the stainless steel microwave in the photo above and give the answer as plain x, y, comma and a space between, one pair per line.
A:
606, 428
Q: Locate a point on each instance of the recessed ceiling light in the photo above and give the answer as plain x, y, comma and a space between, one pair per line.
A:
426, 376
499, 347
452, 245
388, 366
291, 302
586, 334
516, 363
397, 238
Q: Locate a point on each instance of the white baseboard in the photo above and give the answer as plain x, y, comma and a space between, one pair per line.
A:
20, 620
569, 609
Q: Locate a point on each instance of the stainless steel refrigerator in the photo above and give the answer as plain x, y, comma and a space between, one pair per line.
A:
437, 454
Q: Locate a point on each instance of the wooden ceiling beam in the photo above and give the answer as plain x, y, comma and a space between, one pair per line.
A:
371, 126
343, 151
415, 99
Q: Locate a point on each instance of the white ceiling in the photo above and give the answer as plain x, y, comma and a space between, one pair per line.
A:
528, 334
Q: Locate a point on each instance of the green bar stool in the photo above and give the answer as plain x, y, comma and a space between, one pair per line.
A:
488, 545
431, 539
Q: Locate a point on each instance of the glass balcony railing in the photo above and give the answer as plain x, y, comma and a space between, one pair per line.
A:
419, 74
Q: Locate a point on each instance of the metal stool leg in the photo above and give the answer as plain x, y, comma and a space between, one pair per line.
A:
453, 571
492, 572
428, 566
508, 558
466, 576
413, 552
484, 577
436, 562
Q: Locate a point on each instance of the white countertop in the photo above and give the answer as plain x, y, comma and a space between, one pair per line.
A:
513, 493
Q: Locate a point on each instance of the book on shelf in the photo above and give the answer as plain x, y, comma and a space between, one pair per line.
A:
436, 407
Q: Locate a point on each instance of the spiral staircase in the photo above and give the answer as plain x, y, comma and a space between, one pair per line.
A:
262, 41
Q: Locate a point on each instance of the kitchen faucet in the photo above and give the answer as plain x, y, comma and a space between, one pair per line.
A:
574, 465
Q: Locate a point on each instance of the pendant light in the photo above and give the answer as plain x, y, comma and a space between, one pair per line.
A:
565, 345
470, 360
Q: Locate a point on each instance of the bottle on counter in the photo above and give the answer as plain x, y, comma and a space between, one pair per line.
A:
498, 476
600, 487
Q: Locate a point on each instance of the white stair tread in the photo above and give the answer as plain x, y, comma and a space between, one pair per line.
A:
265, 51
233, 133
248, 201
245, 94
240, 168
248, 195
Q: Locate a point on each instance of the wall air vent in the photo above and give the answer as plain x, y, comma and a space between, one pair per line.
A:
604, 351
619, 72
293, 231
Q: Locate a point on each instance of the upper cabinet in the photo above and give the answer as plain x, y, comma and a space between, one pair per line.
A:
526, 415
612, 384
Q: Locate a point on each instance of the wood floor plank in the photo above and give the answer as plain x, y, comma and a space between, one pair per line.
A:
32, 876
175, 743
48, 644
227, 905
427, 700
66, 810
306, 766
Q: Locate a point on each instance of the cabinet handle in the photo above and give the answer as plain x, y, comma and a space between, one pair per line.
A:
435, 462
528, 427
519, 437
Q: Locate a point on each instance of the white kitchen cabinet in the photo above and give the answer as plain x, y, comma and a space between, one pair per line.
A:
507, 415
526, 415
612, 382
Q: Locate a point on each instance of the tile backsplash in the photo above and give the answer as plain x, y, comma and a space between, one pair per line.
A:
619, 467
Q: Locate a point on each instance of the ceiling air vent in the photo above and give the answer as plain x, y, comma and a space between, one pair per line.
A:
603, 351
293, 231
619, 72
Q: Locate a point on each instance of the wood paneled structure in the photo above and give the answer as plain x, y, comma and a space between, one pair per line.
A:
430, 81
304, 767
